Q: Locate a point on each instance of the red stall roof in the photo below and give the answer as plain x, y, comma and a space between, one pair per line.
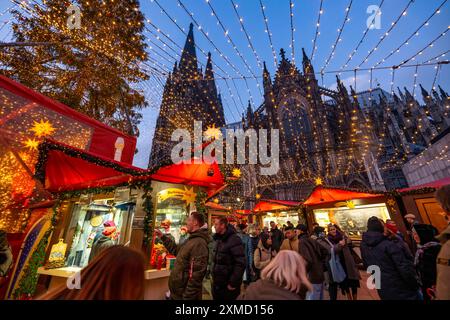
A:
243, 212
435, 184
103, 139
272, 205
215, 206
322, 194
62, 168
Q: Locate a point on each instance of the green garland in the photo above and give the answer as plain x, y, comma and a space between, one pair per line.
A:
28, 283
200, 201
146, 186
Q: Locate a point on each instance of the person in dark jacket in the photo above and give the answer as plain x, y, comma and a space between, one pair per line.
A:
314, 255
426, 256
276, 235
185, 281
398, 279
228, 262
105, 240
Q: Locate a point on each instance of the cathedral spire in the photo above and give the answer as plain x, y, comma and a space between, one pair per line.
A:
402, 96
188, 63
444, 94
426, 96
209, 74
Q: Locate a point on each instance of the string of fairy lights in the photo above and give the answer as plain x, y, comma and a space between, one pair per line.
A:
317, 33
386, 34
164, 51
352, 54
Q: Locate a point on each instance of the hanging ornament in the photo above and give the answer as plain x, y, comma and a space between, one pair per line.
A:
213, 133
319, 181
236, 173
216, 201
31, 144
42, 128
258, 196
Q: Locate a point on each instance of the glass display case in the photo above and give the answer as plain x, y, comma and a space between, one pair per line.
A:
353, 221
88, 223
283, 217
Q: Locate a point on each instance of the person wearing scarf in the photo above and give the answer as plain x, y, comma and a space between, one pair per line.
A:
349, 287
425, 259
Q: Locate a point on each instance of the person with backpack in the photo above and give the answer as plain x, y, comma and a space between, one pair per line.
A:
263, 254
426, 256
398, 280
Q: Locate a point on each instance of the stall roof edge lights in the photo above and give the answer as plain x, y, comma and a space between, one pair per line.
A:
433, 185
326, 194
265, 205
64, 168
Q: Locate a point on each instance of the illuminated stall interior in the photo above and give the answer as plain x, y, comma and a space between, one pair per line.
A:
279, 211
349, 209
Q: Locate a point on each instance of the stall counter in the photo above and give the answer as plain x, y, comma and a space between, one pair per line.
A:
156, 281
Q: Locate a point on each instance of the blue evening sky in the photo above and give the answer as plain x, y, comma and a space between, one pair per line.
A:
305, 17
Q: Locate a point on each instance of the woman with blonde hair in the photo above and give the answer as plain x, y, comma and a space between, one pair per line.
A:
116, 273
284, 278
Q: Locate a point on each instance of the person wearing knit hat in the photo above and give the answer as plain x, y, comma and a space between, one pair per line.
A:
398, 278
374, 224
107, 239
426, 256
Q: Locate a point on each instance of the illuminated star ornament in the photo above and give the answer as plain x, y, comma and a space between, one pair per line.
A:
236, 173
189, 195
42, 128
31, 144
319, 181
350, 204
391, 202
213, 133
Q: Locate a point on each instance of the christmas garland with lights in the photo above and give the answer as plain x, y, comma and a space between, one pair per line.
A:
28, 283
50, 145
200, 203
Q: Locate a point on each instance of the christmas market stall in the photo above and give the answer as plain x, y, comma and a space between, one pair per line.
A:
94, 197
350, 208
216, 210
420, 201
279, 211
26, 119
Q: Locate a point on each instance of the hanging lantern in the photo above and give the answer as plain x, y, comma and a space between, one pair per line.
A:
210, 172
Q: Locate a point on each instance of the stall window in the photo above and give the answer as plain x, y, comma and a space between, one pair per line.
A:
87, 224
282, 218
352, 221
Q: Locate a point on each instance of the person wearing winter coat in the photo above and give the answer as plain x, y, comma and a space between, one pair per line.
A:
264, 253
284, 278
443, 259
398, 280
314, 255
245, 238
229, 262
185, 280
291, 240
426, 256
277, 236
343, 248
105, 240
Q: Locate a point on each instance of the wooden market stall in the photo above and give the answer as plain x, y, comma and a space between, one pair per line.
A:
90, 190
420, 201
280, 211
351, 208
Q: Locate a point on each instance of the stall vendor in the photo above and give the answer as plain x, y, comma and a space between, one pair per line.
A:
106, 239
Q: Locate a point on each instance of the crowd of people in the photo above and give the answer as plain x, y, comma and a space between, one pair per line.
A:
248, 263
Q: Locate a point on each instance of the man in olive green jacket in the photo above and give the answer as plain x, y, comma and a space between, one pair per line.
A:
185, 281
